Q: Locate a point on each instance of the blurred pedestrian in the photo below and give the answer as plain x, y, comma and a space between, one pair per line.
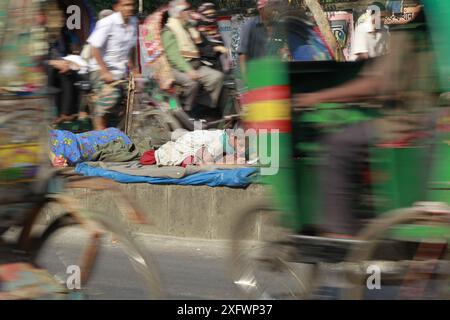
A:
113, 47
371, 36
86, 55
60, 73
255, 33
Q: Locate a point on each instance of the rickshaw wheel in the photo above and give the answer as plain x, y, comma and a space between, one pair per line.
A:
50, 251
261, 268
374, 237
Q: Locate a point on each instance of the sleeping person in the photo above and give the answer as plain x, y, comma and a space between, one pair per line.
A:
199, 147
69, 149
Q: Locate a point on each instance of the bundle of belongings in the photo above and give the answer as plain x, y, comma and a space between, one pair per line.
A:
201, 157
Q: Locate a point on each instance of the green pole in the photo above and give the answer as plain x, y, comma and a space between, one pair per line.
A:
267, 110
437, 13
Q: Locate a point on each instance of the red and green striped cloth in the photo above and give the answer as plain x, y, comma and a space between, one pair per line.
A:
267, 102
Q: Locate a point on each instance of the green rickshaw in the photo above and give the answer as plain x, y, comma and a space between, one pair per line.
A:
405, 240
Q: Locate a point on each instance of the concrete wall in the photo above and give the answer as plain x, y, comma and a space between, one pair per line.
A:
182, 211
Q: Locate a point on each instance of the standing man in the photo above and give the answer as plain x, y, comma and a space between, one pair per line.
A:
371, 35
255, 34
180, 39
86, 55
113, 47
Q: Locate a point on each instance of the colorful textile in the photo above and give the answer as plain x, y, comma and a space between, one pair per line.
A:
81, 147
343, 29
20, 149
23, 44
151, 33
268, 107
155, 60
22, 281
314, 48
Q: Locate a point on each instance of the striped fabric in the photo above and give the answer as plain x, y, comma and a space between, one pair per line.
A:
268, 107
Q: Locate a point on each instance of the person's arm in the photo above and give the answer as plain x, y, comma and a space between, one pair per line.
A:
105, 73
375, 81
205, 48
360, 88
362, 56
61, 65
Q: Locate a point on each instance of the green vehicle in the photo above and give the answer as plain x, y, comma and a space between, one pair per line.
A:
405, 238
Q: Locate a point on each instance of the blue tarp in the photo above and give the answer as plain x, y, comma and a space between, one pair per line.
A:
241, 177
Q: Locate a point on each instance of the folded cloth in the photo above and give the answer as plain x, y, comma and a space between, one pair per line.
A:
77, 63
148, 158
134, 168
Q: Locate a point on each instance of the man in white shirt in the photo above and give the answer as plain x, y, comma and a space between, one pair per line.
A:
371, 35
86, 55
113, 47
86, 52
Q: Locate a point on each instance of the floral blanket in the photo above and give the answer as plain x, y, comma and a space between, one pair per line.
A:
154, 51
77, 148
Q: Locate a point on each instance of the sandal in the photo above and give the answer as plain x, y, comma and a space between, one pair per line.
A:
64, 118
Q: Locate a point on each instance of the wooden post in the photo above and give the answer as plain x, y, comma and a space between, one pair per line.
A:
130, 104
324, 26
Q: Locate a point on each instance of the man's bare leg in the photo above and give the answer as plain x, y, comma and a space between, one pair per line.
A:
99, 123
